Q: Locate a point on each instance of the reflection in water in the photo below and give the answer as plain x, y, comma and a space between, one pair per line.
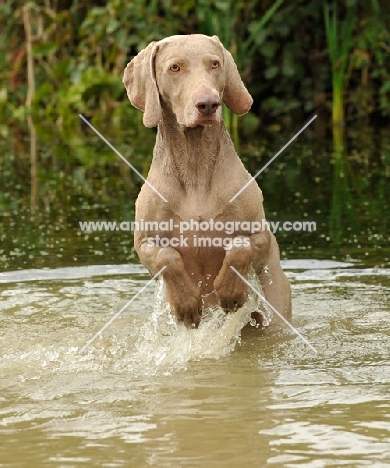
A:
81, 179
34, 166
124, 403
152, 393
341, 204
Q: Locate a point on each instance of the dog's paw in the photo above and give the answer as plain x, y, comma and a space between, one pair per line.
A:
232, 293
186, 306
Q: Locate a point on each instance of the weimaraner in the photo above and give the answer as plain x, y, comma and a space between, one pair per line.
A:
179, 83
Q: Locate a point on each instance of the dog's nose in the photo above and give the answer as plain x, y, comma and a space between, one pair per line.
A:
207, 105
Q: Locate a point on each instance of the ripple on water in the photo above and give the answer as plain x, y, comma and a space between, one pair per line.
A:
137, 344
150, 382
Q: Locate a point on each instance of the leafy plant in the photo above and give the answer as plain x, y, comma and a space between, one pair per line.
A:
238, 27
339, 36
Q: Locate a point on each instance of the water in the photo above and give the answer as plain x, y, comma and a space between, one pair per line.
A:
149, 393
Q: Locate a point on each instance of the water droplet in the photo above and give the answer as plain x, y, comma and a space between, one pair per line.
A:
252, 322
266, 271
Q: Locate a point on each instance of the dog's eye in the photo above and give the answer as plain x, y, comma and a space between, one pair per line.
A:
174, 68
215, 64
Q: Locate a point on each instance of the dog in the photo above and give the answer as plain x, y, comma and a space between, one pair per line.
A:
179, 83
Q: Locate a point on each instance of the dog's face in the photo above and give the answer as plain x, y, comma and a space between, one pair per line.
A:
191, 75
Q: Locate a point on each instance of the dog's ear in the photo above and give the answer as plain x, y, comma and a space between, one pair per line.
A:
235, 95
139, 79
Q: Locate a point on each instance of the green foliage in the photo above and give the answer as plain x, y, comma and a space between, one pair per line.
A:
225, 19
79, 51
373, 56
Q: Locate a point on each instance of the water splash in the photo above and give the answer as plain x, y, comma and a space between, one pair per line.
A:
267, 272
165, 345
136, 345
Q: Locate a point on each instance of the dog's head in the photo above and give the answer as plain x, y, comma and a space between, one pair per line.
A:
191, 75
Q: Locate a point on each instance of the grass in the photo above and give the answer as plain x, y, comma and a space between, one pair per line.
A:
339, 36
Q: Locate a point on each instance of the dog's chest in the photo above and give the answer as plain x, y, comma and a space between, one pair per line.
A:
203, 208
199, 207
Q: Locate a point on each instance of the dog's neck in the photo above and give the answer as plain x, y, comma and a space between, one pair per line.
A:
190, 154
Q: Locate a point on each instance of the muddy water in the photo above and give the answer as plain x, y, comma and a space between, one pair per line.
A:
151, 393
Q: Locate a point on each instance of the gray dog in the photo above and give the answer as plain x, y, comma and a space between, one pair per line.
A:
179, 83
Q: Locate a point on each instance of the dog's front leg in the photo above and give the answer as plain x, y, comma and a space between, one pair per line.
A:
182, 294
231, 289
